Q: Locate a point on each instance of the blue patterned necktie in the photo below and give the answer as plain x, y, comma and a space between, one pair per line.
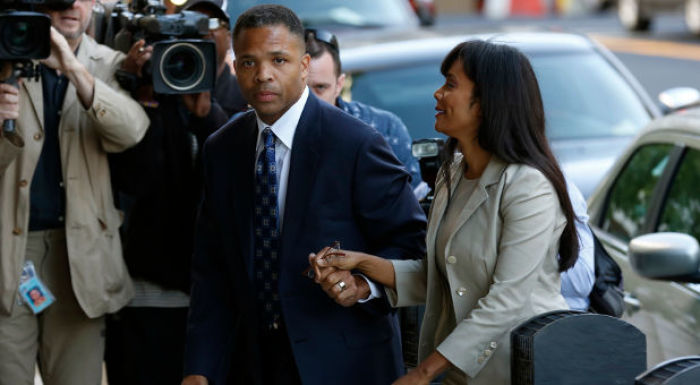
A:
267, 233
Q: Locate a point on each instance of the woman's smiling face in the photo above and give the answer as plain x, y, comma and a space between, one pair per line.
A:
458, 114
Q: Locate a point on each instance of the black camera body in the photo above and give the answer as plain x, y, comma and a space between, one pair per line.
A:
182, 62
25, 34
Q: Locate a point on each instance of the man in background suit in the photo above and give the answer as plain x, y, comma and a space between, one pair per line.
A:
281, 181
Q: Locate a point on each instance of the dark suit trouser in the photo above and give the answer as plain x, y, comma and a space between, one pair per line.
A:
145, 346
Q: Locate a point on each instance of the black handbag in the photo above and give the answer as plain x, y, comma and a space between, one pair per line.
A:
607, 296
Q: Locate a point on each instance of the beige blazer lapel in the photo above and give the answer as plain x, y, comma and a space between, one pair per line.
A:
491, 175
36, 97
439, 204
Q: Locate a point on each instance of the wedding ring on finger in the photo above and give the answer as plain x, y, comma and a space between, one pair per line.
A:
341, 285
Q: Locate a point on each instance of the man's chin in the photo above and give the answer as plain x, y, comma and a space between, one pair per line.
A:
70, 34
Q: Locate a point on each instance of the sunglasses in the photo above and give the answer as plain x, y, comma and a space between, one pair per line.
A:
324, 37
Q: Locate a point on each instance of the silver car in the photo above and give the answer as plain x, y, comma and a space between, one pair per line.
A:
652, 191
593, 105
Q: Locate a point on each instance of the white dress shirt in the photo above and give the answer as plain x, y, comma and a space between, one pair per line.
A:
284, 129
577, 282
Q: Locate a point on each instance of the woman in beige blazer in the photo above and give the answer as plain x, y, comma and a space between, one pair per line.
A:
501, 215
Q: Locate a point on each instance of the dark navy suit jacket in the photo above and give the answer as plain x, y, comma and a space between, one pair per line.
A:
344, 184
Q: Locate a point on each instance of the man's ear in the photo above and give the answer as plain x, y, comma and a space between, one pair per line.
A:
340, 83
305, 61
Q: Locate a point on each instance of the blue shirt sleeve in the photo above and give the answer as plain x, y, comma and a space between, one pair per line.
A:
577, 282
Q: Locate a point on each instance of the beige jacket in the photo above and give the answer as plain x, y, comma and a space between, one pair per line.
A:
113, 123
501, 266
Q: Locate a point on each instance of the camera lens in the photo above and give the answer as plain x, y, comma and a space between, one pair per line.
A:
182, 66
18, 38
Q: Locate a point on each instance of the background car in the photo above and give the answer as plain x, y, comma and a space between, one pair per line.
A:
653, 188
339, 15
637, 15
593, 105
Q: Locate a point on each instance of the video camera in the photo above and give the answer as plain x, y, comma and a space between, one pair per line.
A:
182, 62
25, 35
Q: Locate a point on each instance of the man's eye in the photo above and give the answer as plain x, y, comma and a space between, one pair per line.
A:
248, 63
280, 60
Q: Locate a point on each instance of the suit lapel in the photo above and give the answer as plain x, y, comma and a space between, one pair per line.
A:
302, 173
241, 187
440, 203
36, 96
491, 175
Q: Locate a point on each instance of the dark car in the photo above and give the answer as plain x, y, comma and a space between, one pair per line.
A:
646, 213
594, 106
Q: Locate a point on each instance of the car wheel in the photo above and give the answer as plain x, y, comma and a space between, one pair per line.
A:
692, 15
631, 15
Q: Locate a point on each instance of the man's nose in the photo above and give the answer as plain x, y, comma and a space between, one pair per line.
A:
264, 73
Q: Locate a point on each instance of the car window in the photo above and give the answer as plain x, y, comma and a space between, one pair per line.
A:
681, 212
630, 196
356, 13
583, 96
407, 92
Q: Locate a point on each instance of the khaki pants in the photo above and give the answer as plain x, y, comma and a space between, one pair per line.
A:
68, 345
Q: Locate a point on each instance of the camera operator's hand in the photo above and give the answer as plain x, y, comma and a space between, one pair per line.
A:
138, 55
198, 104
9, 102
63, 60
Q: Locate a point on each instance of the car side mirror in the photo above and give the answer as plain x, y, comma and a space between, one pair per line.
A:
677, 98
666, 256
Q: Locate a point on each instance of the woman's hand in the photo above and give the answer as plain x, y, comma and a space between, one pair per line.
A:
340, 285
340, 259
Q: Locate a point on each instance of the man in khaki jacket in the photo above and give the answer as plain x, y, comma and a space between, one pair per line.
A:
56, 206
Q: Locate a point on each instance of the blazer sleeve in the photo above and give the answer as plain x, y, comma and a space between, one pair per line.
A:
387, 210
210, 320
118, 119
530, 210
411, 278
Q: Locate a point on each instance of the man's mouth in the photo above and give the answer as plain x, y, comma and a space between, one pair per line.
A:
265, 96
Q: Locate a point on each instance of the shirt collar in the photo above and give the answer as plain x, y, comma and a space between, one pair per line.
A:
285, 127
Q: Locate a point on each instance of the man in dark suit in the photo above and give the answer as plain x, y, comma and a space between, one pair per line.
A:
282, 181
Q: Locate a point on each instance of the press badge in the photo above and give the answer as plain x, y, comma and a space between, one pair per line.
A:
32, 291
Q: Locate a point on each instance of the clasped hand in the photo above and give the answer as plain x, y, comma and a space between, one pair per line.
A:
332, 270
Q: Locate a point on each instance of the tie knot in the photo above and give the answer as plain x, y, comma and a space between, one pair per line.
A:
268, 137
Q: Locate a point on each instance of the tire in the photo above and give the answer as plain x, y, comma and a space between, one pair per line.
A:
632, 16
692, 16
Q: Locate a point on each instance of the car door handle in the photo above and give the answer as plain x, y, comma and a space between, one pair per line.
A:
631, 301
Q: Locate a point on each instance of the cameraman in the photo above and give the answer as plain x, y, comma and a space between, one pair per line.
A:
158, 183
56, 206
226, 91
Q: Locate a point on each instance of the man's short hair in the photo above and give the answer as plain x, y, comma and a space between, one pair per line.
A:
316, 48
266, 15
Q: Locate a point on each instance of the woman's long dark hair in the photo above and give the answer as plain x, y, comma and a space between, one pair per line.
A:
512, 121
